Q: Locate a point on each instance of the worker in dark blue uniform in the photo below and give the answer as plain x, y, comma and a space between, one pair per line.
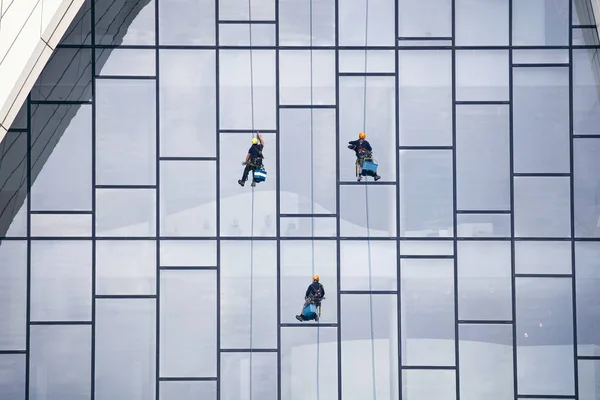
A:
364, 152
253, 158
315, 292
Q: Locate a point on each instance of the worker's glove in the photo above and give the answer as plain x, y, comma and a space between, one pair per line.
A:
350, 146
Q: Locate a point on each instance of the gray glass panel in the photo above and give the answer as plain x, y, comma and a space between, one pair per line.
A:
426, 207
540, 56
542, 207
188, 198
585, 37
12, 376
483, 225
188, 253
375, 115
238, 217
20, 121
544, 336
427, 247
188, 390
125, 349
295, 77
425, 18
482, 75
419, 385
486, 362
239, 34
237, 369
310, 189
425, 98
484, 281
129, 23
187, 22
308, 227
128, 62
60, 366
542, 257
65, 225
377, 61
369, 340
236, 92
352, 22
125, 132
125, 267
309, 367
589, 378
66, 76
541, 119
80, 30
61, 280
587, 298
427, 302
237, 10
482, 157
249, 310
294, 23
188, 324
125, 212
187, 103
586, 160
13, 185
297, 267
586, 92
61, 157
540, 22
13, 295
583, 14
481, 22
357, 257
368, 212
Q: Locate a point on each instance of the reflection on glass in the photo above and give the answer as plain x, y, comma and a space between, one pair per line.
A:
588, 379
483, 225
425, 18
542, 257
353, 22
55, 225
432, 384
295, 77
294, 23
367, 212
587, 282
586, 92
481, 22
80, 30
368, 269
125, 267
239, 34
586, 185
12, 370
308, 227
191, 390
20, 121
188, 253
540, 56
186, 22
377, 61
13, 185
482, 75
426, 247
540, 22
125, 62
129, 23
13, 296
126, 212
66, 76
237, 369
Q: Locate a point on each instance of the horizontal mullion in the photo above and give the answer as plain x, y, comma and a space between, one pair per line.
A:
307, 215
248, 350
428, 367
541, 65
63, 212
425, 147
543, 276
361, 183
484, 322
421, 38
125, 187
300, 238
591, 358
169, 158
483, 211
426, 257
194, 268
363, 74
541, 174
17, 130
125, 296
583, 26
127, 77
60, 102
481, 102
187, 379
60, 322
305, 106
368, 292
307, 325
544, 396
595, 136
6, 352
243, 22
247, 131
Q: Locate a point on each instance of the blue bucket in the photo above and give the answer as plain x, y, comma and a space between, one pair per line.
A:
310, 311
260, 175
369, 166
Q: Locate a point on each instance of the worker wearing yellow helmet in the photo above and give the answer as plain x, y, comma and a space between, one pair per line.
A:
314, 294
364, 156
253, 160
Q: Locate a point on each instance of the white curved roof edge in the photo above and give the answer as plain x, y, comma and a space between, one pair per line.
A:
30, 30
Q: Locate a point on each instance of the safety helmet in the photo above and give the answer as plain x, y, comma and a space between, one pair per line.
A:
316, 278
254, 140
362, 135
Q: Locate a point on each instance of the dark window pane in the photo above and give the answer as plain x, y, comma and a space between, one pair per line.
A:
128, 23
13, 185
67, 76
583, 13
80, 30
587, 282
13, 296
187, 22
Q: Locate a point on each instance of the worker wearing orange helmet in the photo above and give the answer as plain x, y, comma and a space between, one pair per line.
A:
363, 150
314, 293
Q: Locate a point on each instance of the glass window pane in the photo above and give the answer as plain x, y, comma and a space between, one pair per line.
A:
55, 225
542, 257
20, 121
236, 211
80, 30
541, 119
236, 90
540, 56
296, 270
129, 23
188, 390
426, 207
544, 324
486, 362
126, 212
188, 324
128, 62
425, 18
379, 123
587, 373
12, 376
125, 349
540, 22
13, 185
352, 23
368, 319
482, 157
188, 253
587, 282
13, 296
239, 34
484, 267
368, 212
481, 22
235, 376
295, 77
66, 76
357, 258
583, 14
377, 61
60, 365
61, 280
427, 312
61, 157
483, 225
482, 75
586, 92
426, 248
125, 132
309, 363
419, 385
187, 22
308, 227
542, 207
294, 23
248, 283
185, 212
237, 10
425, 98
125, 267
586, 184
585, 36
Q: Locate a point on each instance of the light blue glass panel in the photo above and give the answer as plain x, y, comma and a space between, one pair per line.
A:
587, 282
439, 385
188, 390
129, 23
379, 28
540, 22
238, 10
367, 212
425, 18
187, 22
125, 212
542, 257
586, 185
237, 369
368, 266
294, 23
125, 62
13, 295
482, 75
481, 22
586, 92
12, 376
125, 267
295, 77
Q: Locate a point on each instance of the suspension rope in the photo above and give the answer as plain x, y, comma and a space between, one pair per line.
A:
252, 218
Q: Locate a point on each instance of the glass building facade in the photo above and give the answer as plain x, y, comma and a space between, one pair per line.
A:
134, 267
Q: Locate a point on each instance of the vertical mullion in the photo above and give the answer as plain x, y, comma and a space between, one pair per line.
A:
397, 155
218, 197
157, 192
93, 150
28, 299
337, 197
278, 199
